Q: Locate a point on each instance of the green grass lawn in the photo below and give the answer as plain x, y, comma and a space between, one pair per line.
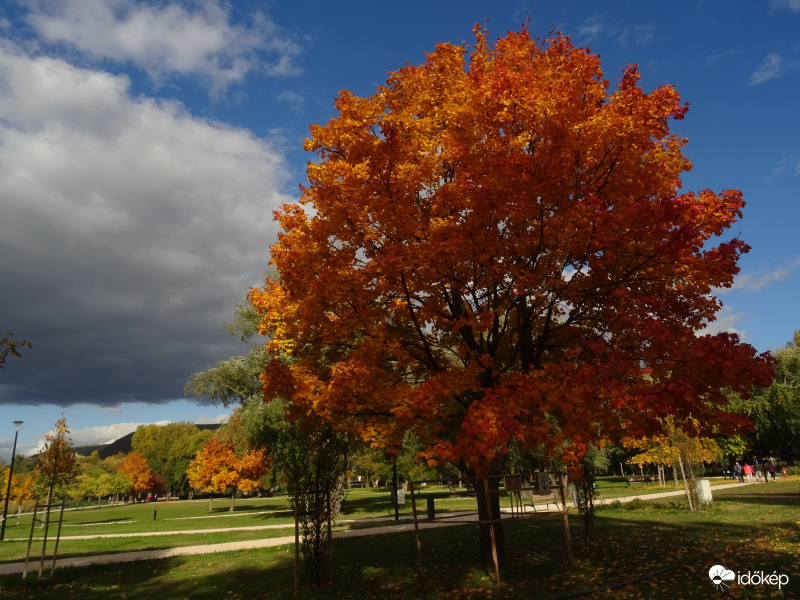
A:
194, 516
149, 521
640, 550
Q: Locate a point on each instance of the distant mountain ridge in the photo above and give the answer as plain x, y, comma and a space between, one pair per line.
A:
123, 444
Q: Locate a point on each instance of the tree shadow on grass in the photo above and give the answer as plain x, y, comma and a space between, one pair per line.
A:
776, 499
262, 573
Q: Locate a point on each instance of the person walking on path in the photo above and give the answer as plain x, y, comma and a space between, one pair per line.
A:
770, 470
757, 469
737, 472
748, 472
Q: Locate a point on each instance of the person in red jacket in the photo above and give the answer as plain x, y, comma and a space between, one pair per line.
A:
748, 472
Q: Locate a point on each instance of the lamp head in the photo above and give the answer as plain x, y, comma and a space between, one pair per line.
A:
17, 424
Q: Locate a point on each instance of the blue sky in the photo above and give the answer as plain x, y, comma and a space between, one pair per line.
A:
145, 144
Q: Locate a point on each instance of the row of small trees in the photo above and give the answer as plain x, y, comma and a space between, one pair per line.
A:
59, 473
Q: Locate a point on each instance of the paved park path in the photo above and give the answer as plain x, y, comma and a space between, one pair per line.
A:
444, 521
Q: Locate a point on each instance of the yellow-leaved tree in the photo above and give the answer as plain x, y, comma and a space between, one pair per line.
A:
678, 446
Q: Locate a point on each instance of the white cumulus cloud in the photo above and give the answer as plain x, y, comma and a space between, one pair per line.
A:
163, 38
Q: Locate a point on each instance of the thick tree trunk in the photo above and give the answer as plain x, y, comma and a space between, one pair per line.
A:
233, 499
490, 512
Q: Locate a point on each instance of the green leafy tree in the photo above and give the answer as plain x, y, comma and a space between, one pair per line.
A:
775, 409
314, 459
92, 479
97, 485
235, 380
182, 451
371, 464
308, 457
169, 449
88, 464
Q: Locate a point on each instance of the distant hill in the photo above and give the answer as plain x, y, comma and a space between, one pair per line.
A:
123, 444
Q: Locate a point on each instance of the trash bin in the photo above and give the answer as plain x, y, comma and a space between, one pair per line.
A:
431, 509
704, 491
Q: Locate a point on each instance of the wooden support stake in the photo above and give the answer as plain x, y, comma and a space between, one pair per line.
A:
46, 524
58, 536
330, 541
488, 501
30, 538
416, 530
296, 541
686, 485
566, 518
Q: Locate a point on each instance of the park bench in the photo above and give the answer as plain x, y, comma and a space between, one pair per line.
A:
527, 497
523, 496
639, 479
547, 500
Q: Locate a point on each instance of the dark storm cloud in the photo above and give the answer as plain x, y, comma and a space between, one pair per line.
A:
128, 231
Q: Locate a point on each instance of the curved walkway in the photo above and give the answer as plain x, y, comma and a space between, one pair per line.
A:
101, 559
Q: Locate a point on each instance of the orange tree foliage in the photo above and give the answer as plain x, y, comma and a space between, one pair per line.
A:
217, 468
138, 469
494, 247
21, 488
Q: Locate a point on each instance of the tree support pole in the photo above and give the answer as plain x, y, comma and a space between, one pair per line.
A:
330, 540
30, 538
686, 485
396, 498
416, 529
491, 530
566, 518
296, 542
58, 535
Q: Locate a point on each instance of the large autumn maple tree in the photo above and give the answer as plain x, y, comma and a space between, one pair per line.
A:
495, 246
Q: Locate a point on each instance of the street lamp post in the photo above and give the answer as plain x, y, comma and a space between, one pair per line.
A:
8, 486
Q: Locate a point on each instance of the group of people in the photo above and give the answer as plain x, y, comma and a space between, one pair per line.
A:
767, 470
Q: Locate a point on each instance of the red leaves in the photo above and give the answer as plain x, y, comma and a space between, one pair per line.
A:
630, 77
